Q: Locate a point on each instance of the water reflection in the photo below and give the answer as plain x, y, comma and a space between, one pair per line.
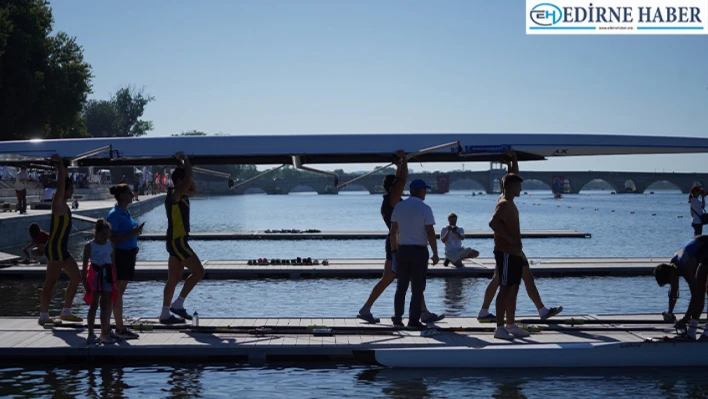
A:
185, 383
346, 381
528, 384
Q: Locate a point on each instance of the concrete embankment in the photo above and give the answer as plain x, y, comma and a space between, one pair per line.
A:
13, 227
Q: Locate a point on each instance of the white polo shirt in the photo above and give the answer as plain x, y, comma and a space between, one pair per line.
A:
412, 215
453, 241
696, 210
20, 180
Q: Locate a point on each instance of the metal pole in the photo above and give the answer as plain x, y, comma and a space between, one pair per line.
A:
258, 176
408, 157
74, 161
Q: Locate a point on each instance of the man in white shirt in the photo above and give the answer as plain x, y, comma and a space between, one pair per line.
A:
21, 190
412, 230
452, 236
697, 199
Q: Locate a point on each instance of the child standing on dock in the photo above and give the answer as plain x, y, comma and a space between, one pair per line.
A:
181, 255
100, 281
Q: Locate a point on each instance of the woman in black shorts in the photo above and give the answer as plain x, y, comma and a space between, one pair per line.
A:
125, 232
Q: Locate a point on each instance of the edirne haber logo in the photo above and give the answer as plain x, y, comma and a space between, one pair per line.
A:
617, 17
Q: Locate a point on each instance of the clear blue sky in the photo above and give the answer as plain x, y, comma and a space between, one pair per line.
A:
308, 66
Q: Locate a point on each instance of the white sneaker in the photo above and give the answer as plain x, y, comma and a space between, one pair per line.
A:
691, 333
517, 332
502, 333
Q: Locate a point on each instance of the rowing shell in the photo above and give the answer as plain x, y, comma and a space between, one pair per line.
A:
552, 355
338, 149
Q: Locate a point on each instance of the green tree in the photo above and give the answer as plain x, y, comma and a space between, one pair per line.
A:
130, 105
44, 80
119, 116
101, 118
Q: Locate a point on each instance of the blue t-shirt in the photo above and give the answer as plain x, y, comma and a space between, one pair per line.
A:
694, 248
122, 224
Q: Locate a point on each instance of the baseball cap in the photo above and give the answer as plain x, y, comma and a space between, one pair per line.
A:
417, 184
696, 188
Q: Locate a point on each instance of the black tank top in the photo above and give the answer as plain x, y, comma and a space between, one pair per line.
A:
386, 210
177, 216
60, 229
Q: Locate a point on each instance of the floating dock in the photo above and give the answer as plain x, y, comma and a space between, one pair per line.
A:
370, 268
346, 235
22, 340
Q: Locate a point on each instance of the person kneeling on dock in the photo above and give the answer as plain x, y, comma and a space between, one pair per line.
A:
691, 263
37, 245
452, 236
100, 282
181, 255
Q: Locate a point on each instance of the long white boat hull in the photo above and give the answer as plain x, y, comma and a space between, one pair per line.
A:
349, 148
565, 355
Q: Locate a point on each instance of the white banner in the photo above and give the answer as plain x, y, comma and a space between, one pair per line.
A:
617, 17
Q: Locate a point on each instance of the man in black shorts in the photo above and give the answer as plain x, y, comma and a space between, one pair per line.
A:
509, 257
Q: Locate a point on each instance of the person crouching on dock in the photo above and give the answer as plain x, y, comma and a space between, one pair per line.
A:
691, 263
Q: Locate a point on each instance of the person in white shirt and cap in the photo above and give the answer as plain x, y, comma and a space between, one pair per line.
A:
21, 190
697, 199
412, 231
452, 236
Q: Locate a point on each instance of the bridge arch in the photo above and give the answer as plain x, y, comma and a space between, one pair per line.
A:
524, 185
465, 183
301, 189
585, 184
355, 188
254, 190
630, 186
659, 184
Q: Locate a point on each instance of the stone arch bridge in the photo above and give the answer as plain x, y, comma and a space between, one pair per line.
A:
621, 182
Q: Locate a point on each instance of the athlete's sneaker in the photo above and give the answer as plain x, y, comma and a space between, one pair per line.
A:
429, 317
368, 317
397, 321
502, 333
107, 339
71, 317
446, 262
489, 318
416, 324
41, 321
91, 339
691, 333
554, 311
126, 334
518, 332
172, 320
181, 313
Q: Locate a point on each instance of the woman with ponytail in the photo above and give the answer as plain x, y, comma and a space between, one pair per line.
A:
125, 239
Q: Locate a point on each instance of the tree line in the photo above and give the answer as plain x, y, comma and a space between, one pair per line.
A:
45, 83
